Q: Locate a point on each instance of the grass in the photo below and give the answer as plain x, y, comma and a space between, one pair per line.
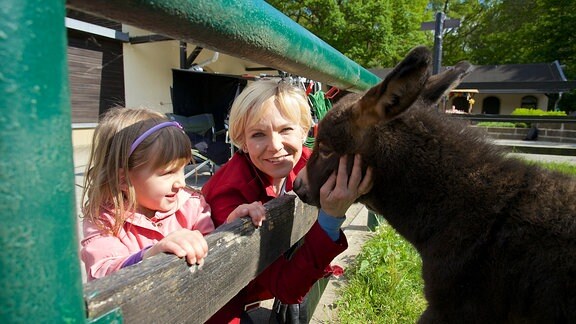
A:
385, 283
563, 167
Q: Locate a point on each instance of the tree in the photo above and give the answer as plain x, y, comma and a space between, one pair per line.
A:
456, 44
376, 33
513, 32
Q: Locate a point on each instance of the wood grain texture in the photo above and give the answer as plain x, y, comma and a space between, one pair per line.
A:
164, 289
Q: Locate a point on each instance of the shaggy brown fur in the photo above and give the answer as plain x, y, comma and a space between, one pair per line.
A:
497, 236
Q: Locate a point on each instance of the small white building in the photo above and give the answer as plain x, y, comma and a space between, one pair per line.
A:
499, 89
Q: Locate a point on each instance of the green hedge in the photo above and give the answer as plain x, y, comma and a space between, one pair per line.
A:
536, 112
503, 124
522, 112
496, 124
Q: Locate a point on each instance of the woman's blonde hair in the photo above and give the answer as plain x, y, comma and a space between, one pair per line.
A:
110, 160
247, 109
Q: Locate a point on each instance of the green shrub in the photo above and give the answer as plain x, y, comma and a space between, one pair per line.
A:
536, 112
496, 124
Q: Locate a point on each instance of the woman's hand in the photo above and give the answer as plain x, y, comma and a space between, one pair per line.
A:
255, 210
182, 243
339, 192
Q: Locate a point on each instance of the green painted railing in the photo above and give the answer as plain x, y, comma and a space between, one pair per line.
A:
40, 278
248, 29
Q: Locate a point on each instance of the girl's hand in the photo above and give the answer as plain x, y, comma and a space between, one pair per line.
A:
255, 210
339, 192
182, 243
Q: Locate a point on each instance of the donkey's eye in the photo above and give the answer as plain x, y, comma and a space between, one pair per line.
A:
324, 151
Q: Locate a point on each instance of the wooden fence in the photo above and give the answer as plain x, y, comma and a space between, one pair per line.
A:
165, 289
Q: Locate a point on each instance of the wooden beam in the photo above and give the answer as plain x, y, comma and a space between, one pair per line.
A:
149, 39
190, 59
164, 289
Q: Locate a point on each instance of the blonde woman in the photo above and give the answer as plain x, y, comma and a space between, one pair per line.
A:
269, 122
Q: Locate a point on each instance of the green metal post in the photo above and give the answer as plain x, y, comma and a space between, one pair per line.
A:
248, 29
40, 278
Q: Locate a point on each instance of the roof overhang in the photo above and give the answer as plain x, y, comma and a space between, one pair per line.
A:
465, 90
85, 27
520, 87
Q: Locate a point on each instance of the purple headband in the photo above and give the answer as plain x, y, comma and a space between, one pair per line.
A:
150, 131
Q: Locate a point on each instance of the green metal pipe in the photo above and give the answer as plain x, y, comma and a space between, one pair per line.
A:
248, 29
40, 278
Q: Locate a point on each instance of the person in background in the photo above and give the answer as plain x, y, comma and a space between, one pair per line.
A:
269, 122
135, 200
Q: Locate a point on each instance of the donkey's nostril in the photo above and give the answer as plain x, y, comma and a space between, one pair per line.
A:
302, 196
297, 184
300, 189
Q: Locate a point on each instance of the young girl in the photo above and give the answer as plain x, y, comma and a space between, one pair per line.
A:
136, 204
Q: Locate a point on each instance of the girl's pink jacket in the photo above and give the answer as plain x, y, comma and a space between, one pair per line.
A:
104, 253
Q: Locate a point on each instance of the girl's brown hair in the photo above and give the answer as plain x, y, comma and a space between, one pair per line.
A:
107, 185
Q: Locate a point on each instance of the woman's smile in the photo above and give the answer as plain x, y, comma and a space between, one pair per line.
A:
279, 159
274, 143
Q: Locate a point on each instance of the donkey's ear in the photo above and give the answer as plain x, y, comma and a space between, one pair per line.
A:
438, 85
397, 92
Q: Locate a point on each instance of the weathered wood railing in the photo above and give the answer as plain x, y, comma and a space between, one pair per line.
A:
165, 289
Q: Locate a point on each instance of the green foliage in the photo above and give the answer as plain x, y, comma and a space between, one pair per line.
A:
376, 33
513, 32
496, 124
385, 283
568, 102
456, 41
562, 167
502, 124
536, 112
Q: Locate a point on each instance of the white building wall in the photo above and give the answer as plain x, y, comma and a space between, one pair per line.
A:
148, 75
508, 102
148, 69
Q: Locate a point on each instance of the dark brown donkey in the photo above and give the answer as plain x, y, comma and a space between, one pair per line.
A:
497, 236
